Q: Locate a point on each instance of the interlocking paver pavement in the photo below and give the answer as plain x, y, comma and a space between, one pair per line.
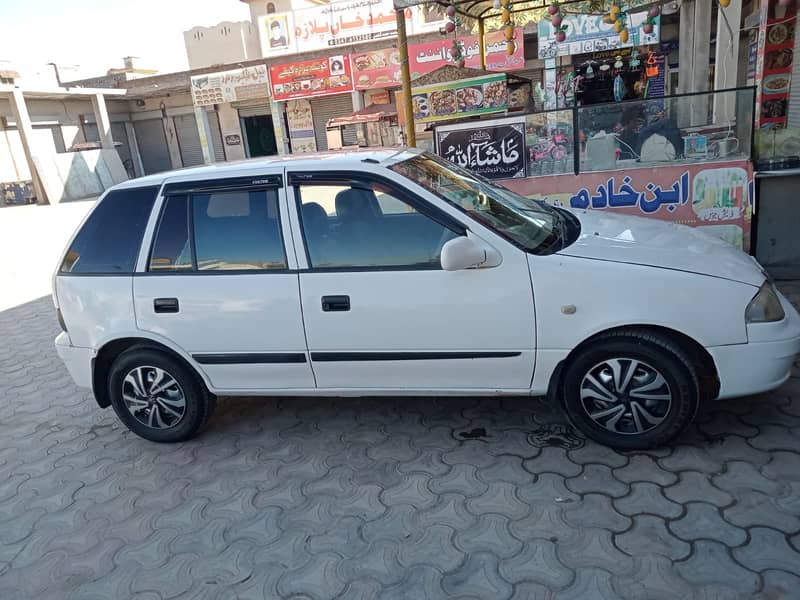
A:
384, 498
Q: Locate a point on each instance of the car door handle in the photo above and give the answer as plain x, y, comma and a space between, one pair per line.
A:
166, 305
335, 303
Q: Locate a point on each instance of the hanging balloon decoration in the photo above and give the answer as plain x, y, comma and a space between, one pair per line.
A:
619, 19
557, 21
652, 15
508, 26
457, 49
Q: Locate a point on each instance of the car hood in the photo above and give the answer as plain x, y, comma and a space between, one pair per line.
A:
654, 243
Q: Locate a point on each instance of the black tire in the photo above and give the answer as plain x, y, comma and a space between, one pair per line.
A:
198, 404
657, 355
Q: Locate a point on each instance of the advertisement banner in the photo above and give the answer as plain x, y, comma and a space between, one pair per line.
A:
230, 86
467, 97
381, 68
718, 197
588, 33
321, 77
774, 58
491, 149
301, 126
329, 25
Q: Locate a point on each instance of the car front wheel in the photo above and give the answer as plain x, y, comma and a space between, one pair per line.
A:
157, 397
631, 390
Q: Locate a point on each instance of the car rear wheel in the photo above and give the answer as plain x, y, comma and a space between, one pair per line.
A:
157, 397
631, 390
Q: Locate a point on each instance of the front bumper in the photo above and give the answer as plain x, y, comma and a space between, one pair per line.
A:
765, 362
78, 360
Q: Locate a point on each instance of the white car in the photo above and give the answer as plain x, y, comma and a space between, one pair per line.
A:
397, 273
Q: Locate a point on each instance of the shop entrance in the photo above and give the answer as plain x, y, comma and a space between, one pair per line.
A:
259, 135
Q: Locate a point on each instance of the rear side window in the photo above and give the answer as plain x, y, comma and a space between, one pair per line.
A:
108, 243
220, 231
238, 231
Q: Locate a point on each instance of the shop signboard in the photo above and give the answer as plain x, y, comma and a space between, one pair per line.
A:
320, 77
494, 149
230, 86
717, 197
381, 68
329, 25
467, 97
588, 33
426, 58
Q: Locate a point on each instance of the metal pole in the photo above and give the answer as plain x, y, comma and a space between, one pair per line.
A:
482, 42
402, 46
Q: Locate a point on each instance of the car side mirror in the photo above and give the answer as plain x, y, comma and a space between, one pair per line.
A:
468, 252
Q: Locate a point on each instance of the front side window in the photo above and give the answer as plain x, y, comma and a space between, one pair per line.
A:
219, 231
108, 242
367, 225
532, 225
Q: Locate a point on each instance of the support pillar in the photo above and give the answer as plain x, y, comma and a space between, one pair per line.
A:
693, 57
133, 144
726, 61
103, 122
482, 42
405, 76
25, 129
204, 131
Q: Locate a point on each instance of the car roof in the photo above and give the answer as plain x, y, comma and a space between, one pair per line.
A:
344, 159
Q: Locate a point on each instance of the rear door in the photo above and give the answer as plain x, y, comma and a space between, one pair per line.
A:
220, 283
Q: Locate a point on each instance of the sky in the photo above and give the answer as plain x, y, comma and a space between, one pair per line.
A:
96, 34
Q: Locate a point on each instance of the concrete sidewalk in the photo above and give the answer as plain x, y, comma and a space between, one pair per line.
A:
32, 239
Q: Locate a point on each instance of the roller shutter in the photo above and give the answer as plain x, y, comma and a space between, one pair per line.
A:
257, 110
189, 140
152, 145
325, 109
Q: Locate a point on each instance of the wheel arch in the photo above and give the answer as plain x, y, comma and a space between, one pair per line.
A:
107, 354
702, 360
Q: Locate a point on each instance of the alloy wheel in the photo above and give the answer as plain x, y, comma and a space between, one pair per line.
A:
625, 396
153, 397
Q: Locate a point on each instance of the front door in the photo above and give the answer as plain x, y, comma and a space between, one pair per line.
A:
380, 313
220, 285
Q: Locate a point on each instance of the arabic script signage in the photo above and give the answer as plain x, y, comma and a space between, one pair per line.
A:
474, 96
321, 77
334, 24
588, 33
716, 197
381, 68
494, 151
230, 86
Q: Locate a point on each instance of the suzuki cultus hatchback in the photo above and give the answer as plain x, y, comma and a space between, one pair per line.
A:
397, 273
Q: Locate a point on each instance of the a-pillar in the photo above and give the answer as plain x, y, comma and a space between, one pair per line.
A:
25, 129
103, 123
726, 62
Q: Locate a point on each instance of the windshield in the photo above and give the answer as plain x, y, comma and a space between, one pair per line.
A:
531, 224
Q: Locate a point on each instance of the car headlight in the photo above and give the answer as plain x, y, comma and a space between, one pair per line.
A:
765, 307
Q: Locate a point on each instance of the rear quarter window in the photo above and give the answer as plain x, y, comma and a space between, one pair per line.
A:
108, 242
